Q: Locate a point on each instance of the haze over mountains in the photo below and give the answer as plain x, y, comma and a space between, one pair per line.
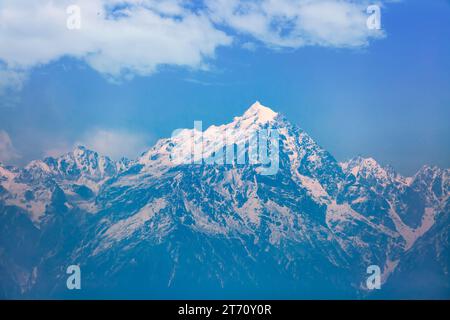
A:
154, 228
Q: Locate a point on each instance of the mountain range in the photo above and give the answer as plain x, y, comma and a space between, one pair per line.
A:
155, 228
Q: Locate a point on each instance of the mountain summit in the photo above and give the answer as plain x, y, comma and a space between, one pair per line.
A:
259, 113
153, 228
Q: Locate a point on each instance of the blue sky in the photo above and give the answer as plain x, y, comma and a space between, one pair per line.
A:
384, 95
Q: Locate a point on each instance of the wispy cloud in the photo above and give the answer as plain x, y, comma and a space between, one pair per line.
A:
7, 151
115, 143
297, 23
11, 79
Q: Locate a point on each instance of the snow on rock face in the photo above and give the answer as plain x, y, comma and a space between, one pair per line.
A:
80, 166
79, 174
434, 183
370, 169
412, 234
82, 163
127, 227
5, 173
351, 214
251, 209
315, 189
257, 114
195, 145
17, 192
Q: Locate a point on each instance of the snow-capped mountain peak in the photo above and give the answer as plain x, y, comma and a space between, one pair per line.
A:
210, 140
259, 113
368, 167
314, 217
82, 162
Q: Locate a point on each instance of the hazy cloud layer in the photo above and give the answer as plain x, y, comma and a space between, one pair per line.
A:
115, 143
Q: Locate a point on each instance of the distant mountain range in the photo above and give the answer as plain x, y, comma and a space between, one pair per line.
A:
155, 228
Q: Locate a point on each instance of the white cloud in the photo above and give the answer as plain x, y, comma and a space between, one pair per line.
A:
250, 46
135, 39
7, 151
115, 143
123, 38
11, 80
297, 23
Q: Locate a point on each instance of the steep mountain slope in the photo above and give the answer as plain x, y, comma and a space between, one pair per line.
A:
179, 222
